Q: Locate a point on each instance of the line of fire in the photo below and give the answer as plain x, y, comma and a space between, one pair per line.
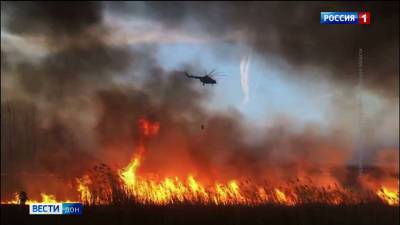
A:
103, 185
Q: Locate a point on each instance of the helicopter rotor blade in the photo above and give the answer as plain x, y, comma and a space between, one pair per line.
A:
219, 74
214, 76
212, 71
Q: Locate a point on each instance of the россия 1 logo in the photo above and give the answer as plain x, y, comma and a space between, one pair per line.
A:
345, 18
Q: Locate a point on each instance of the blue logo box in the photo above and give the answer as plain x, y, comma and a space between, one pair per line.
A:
56, 209
339, 18
72, 209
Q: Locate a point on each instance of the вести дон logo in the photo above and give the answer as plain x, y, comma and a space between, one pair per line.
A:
56, 209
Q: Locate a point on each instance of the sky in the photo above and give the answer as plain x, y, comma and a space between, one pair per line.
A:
274, 88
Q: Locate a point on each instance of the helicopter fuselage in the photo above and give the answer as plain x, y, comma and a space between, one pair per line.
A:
204, 79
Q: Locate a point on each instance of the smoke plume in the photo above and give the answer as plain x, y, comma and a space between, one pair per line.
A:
72, 99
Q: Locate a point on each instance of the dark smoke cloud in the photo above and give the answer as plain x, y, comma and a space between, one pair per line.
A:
71, 70
51, 19
49, 103
292, 31
66, 110
219, 150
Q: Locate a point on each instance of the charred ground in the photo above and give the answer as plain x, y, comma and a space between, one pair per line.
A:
366, 214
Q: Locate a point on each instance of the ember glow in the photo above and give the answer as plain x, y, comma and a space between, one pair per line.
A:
148, 128
131, 185
172, 190
149, 189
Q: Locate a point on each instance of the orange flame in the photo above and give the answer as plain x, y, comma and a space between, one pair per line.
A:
391, 197
83, 189
174, 190
169, 190
148, 128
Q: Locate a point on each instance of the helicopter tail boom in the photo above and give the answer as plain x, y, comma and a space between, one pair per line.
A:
191, 76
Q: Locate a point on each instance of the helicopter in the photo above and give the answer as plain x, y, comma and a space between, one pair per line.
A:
206, 79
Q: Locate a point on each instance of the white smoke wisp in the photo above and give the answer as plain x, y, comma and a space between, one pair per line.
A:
244, 78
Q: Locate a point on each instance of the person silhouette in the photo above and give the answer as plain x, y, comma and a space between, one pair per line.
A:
22, 196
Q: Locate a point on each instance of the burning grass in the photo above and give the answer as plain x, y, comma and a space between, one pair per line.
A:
129, 187
105, 186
